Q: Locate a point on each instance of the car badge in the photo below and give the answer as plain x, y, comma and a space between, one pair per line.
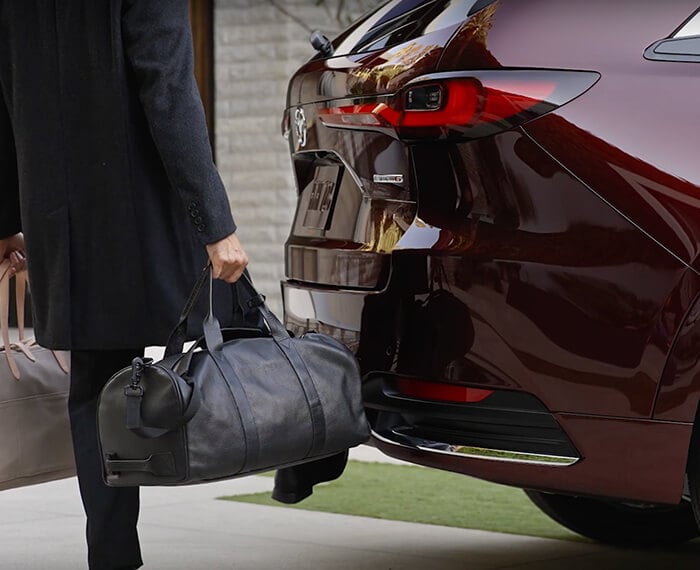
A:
300, 127
388, 178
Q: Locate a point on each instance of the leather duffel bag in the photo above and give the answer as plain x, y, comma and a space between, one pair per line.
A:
240, 401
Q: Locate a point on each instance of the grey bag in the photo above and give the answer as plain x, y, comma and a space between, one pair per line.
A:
240, 401
35, 440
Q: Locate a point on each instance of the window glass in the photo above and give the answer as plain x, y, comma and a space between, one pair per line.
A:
401, 21
690, 28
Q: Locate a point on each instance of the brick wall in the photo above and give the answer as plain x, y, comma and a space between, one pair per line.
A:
258, 46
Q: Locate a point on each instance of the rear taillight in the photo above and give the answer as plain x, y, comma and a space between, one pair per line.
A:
440, 391
468, 105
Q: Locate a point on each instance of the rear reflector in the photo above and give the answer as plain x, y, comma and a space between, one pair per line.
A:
441, 391
467, 105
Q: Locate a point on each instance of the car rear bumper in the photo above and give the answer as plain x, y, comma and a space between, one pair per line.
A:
519, 444
650, 471
504, 426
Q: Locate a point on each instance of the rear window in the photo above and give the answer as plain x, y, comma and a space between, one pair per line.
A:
690, 28
400, 21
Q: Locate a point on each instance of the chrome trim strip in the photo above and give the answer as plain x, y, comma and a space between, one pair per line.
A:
479, 452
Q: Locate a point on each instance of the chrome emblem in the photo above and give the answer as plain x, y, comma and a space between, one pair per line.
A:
300, 127
388, 179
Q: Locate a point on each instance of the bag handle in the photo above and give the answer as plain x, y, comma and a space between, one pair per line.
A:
5, 276
212, 328
20, 296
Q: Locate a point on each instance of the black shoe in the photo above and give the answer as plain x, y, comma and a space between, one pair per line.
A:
294, 484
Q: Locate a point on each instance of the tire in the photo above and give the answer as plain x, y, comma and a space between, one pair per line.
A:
620, 524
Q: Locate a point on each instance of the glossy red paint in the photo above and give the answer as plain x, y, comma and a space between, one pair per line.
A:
679, 390
653, 180
368, 74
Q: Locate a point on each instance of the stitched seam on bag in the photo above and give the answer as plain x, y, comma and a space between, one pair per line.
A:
48, 396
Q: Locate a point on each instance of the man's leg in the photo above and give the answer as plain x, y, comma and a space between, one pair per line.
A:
112, 513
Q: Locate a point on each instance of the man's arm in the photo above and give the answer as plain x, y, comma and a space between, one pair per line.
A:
158, 42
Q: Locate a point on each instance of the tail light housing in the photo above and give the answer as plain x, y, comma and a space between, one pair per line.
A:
461, 104
440, 391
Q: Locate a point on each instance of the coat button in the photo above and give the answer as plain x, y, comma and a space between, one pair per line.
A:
198, 220
201, 228
194, 213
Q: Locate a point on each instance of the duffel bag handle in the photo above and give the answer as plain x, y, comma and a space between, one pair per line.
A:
212, 328
177, 338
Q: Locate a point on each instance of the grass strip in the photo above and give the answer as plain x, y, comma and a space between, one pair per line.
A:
429, 496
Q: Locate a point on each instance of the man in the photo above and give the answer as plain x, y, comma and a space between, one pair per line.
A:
106, 168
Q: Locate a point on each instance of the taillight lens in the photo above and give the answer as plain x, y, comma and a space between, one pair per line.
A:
440, 391
466, 105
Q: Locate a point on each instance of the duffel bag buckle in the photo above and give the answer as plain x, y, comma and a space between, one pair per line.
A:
134, 391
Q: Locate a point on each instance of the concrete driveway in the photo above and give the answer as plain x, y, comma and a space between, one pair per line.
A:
41, 528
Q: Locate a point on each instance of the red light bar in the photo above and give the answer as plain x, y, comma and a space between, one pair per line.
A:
468, 105
441, 391
368, 115
507, 99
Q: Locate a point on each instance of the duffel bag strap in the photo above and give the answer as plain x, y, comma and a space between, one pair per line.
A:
318, 417
284, 341
134, 393
178, 336
214, 339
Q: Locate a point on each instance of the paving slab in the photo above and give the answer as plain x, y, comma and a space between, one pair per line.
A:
41, 527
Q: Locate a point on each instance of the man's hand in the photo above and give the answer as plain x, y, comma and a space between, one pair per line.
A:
227, 258
12, 248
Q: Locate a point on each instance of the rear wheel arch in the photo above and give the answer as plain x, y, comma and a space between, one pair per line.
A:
618, 523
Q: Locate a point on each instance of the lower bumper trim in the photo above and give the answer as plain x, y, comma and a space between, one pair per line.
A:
393, 437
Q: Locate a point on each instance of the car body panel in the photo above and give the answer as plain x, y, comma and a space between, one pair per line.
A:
558, 259
654, 180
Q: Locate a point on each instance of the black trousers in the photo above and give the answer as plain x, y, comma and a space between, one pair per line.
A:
112, 513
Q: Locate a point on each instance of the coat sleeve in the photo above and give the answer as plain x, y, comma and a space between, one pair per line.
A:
158, 43
10, 223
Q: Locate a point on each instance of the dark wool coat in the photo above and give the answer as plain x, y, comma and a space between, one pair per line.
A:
105, 164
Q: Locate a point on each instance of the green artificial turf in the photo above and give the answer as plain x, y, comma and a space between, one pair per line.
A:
416, 494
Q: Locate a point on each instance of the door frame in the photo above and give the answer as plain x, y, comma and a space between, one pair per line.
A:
202, 18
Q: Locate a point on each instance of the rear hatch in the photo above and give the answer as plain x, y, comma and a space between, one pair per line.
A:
356, 190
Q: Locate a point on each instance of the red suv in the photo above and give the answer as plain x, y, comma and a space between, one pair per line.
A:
499, 211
